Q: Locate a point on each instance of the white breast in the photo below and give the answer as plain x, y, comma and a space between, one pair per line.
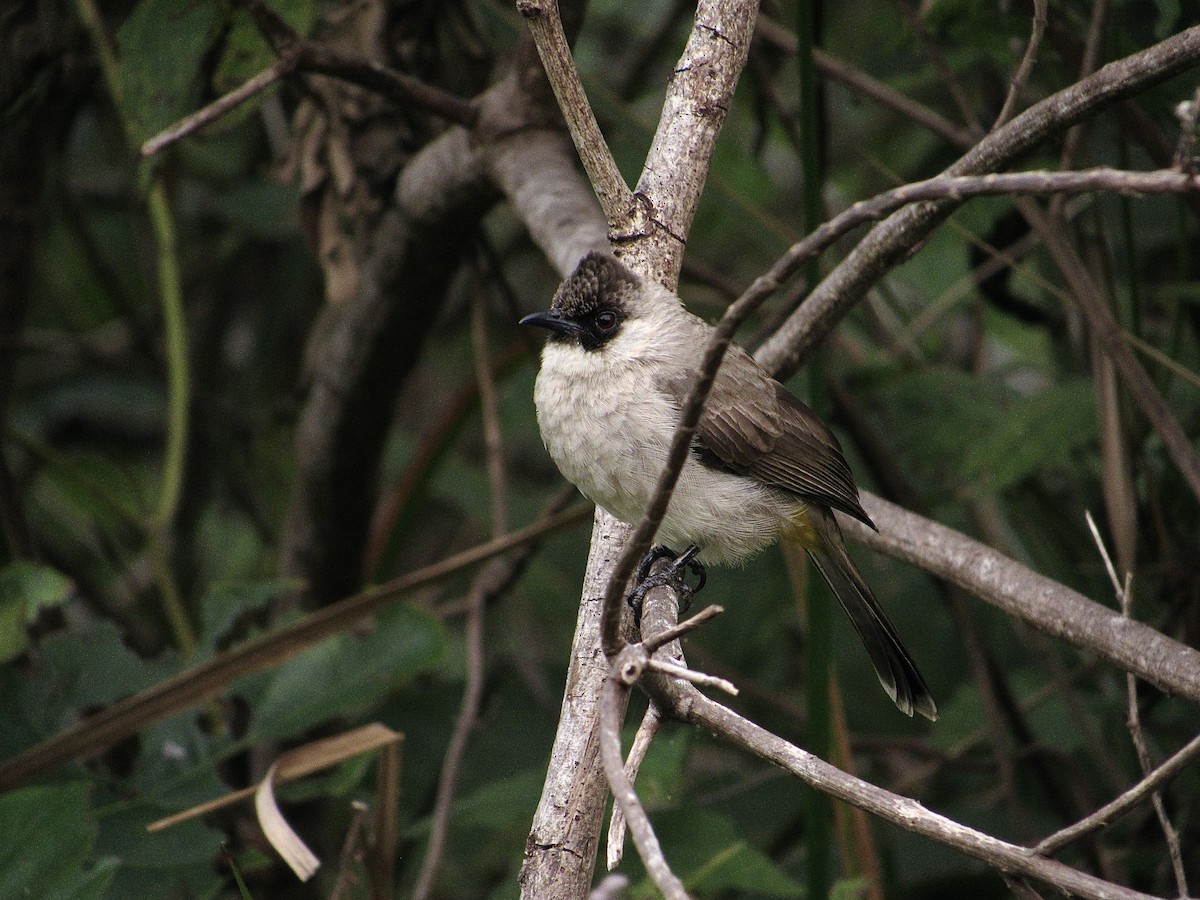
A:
608, 429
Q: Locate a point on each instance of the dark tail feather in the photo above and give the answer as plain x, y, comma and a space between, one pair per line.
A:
896, 670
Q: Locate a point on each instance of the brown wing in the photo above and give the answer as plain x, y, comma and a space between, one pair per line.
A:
753, 425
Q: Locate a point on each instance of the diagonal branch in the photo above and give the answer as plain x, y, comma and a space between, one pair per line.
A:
208, 680
890, 243
692, 707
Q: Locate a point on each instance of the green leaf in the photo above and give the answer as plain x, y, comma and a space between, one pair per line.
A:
25, 589
348, 673
175, 862
707, 853
500, 803
46, 837
246, 53
71, 672
1034, 433
223, 604
162, 46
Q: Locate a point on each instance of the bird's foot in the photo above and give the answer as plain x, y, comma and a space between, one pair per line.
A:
673, 576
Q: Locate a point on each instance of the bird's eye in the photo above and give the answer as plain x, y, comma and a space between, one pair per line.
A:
606, 321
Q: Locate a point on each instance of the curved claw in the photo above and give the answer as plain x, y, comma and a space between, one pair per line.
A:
672, 576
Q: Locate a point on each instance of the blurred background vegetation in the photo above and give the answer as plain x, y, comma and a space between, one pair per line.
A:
153, 375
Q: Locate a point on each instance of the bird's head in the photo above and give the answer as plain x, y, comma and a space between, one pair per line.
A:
591, 307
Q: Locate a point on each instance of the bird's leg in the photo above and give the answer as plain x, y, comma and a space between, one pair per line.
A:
672, 576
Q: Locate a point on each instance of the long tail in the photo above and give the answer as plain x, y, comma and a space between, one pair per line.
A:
896, 670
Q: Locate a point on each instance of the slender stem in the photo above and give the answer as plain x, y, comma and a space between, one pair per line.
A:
1125, 803
614, 195
612, 705
170, 292
175, 346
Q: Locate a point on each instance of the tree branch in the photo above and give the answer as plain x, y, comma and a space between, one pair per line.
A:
891, 242
1020, 592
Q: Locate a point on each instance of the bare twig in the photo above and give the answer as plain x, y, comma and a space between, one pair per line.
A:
948, 76
618, 202
1125, 803
1087, 65
613, 887
1037, 31
498, 572
674, 670
627, 668
319, 59
647, 729
350, 859
891, 242
693, 707
285, 65
1122, 591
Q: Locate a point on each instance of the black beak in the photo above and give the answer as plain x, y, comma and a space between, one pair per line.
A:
552, 320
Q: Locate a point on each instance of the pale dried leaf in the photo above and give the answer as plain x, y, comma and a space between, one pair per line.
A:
276, 829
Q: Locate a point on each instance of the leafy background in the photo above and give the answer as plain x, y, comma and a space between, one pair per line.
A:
988, 420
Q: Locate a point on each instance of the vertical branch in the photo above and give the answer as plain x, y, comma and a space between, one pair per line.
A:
170, 291
1134, 721
545, 24
473, 638
561, 848
698, 98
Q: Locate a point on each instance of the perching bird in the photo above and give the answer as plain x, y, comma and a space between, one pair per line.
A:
620, 358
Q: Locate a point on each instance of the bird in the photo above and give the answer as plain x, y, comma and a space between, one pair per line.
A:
621, 354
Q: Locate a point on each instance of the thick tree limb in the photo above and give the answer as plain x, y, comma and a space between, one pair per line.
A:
1020, 592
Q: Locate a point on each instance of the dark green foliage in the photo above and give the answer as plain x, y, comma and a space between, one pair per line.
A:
979, 417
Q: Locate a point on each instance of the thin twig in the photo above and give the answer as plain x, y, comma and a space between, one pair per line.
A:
1125, 803
630, 662
226, 103
1134, 720
948, 75
613, 887
701, 679
319, 59
1087, 65
493, 438
677, 631
350, 859
483, 587
1037, 31
647, 729
694, 708
616, 199
892, 242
